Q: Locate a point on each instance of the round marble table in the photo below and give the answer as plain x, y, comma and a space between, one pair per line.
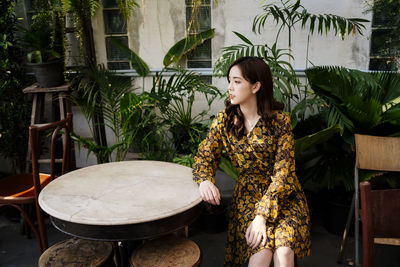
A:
119, 201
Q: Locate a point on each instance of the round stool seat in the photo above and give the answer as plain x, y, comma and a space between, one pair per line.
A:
167, 252
77, 252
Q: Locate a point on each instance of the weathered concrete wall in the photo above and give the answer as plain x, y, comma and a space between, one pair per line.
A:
353, 51
237, 15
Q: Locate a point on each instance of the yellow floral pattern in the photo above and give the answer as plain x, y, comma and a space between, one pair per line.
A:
267, 185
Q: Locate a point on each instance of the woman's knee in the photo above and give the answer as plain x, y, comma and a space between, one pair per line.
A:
261, 259
284, 256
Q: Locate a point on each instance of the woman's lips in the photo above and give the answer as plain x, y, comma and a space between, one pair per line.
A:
231, 96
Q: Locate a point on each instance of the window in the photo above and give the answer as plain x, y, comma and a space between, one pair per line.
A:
29, 11
114, 27
385, 40
198, 22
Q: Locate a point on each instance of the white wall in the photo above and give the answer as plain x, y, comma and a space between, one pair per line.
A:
157, 25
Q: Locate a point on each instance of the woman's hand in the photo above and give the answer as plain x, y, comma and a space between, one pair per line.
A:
256, 232
209, 192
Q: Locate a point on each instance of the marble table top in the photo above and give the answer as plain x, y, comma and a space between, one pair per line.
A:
118, 193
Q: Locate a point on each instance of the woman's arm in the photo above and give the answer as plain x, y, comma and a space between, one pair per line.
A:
284, 179
206, 162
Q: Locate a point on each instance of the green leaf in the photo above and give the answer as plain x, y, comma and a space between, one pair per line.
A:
244, 39
186, 45
308, 141
138, 64
226, 166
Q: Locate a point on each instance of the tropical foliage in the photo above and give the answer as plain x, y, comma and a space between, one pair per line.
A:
186, 45
173, 97
288, 14
100, 91
354, 102
14, 108
38, 38
137, 62
365, 103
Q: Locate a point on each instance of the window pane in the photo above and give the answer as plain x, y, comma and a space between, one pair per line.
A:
118, 66
199, 64
379, 42
114, 22
201, 52
206, 79
29, 16
385, 13
382, 64
113, 53
202, 21
110, 4
203, 2
29, 5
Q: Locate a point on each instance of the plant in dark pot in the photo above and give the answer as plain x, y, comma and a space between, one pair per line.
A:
44, 45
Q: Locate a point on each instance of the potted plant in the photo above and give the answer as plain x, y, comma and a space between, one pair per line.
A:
360, 103
45, 49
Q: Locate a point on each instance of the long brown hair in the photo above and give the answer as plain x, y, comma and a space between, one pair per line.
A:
254, 69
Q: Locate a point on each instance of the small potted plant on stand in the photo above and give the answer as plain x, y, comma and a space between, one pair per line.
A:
45, 48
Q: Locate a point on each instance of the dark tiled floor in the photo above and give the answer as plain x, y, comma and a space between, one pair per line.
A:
16, 250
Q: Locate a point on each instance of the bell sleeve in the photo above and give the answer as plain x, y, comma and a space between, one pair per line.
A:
209, 153
284, 179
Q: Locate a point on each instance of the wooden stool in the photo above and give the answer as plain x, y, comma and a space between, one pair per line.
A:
38, 109
78, 253
167, 252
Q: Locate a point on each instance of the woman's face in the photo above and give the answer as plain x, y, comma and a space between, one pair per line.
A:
240, 90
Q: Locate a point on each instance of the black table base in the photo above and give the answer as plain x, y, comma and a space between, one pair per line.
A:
127, 232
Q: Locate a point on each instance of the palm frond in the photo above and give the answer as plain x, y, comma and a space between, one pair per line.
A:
288, 14
231, 53
360, 101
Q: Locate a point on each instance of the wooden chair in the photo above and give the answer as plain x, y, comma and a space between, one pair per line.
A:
380, 209
19, 190
167, 251
372, 153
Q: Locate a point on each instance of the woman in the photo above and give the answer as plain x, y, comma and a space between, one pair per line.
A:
269, 217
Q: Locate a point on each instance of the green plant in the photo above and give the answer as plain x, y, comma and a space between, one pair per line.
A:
355, 102
14, 107
39, 39
365, 103
186, 45
328, 164
137, 63
139, 113
174, 98
100, 91
185, 160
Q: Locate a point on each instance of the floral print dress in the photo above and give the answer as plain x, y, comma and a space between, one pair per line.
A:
267, 185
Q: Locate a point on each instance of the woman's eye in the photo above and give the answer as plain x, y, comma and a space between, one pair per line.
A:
237, 82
